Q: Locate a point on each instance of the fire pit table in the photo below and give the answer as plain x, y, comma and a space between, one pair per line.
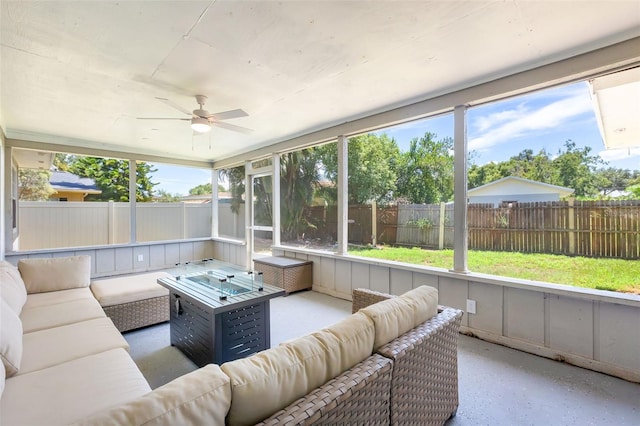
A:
218, 313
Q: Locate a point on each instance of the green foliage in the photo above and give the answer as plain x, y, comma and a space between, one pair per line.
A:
263, 204
166, 197
298, 181
34, 184
634, 190
112, 178
422, 223
372, 168
576, 169
61, 161
572, 167
202, 189
425, 171
235, 177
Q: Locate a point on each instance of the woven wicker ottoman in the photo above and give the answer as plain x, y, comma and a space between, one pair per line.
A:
287, 273
133, 301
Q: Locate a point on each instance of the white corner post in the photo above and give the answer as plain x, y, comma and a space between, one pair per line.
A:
132, 200
214, 203
5, 199
343, 200
460, 229
248, 219
275, 234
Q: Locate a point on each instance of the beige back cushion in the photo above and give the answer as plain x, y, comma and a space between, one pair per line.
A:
12, 287
348, 342
58, 273
268, 381
394, 317
10, 339
425, 301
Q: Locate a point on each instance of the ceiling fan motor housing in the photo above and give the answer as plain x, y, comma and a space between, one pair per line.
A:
201, 113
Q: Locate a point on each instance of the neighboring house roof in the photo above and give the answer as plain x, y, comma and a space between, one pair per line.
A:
68, 182
205, 198
518, 185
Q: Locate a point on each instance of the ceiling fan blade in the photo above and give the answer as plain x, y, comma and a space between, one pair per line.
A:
232, 127
163, 118
226, 115
174, 106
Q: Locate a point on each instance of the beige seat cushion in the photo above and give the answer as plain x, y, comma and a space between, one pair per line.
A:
201, 397
130, 288
10, 339
12, 287
270, 380
71, 391
394, 317
36, 300
58, 273
49, 316
46, 348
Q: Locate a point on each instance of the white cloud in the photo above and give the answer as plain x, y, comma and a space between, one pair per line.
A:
492, 120
505, 126
620, 154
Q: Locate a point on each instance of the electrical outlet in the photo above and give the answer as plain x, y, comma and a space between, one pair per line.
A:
140, 258
471, 306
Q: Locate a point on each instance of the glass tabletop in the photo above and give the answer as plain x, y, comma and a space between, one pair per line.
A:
221, 277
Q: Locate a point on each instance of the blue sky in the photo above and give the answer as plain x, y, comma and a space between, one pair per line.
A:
542, 120
496, 132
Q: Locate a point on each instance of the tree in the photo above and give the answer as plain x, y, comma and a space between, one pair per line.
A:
112, 178
202, 189
298, 182
576, 169
481, 175
235, 177
572, 167
612, 179
372, 167
34, 184
425, 171
166, 197
634, 190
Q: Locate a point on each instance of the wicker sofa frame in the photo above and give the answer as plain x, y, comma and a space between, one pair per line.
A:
424, 383
359, 396
411, 380
141, 313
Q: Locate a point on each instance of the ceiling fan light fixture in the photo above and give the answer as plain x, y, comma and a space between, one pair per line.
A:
200, 125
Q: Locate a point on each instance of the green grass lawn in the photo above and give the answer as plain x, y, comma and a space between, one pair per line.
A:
603, 274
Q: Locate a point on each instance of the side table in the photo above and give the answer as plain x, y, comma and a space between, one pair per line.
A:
286, 273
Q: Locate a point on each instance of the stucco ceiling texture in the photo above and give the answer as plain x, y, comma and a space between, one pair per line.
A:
81, 73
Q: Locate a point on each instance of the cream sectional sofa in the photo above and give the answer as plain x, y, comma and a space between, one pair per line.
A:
63, 360
393, 362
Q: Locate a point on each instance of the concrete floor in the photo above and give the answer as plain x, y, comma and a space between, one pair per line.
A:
497, 385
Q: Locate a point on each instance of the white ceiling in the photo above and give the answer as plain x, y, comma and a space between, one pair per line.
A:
80, 73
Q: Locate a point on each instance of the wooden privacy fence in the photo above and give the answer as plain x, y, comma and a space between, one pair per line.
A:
581, 228
325, 223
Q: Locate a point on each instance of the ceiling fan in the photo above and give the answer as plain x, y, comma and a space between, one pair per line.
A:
202, 120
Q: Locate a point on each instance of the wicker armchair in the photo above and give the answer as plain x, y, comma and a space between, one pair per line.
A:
424, 383
359, 396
